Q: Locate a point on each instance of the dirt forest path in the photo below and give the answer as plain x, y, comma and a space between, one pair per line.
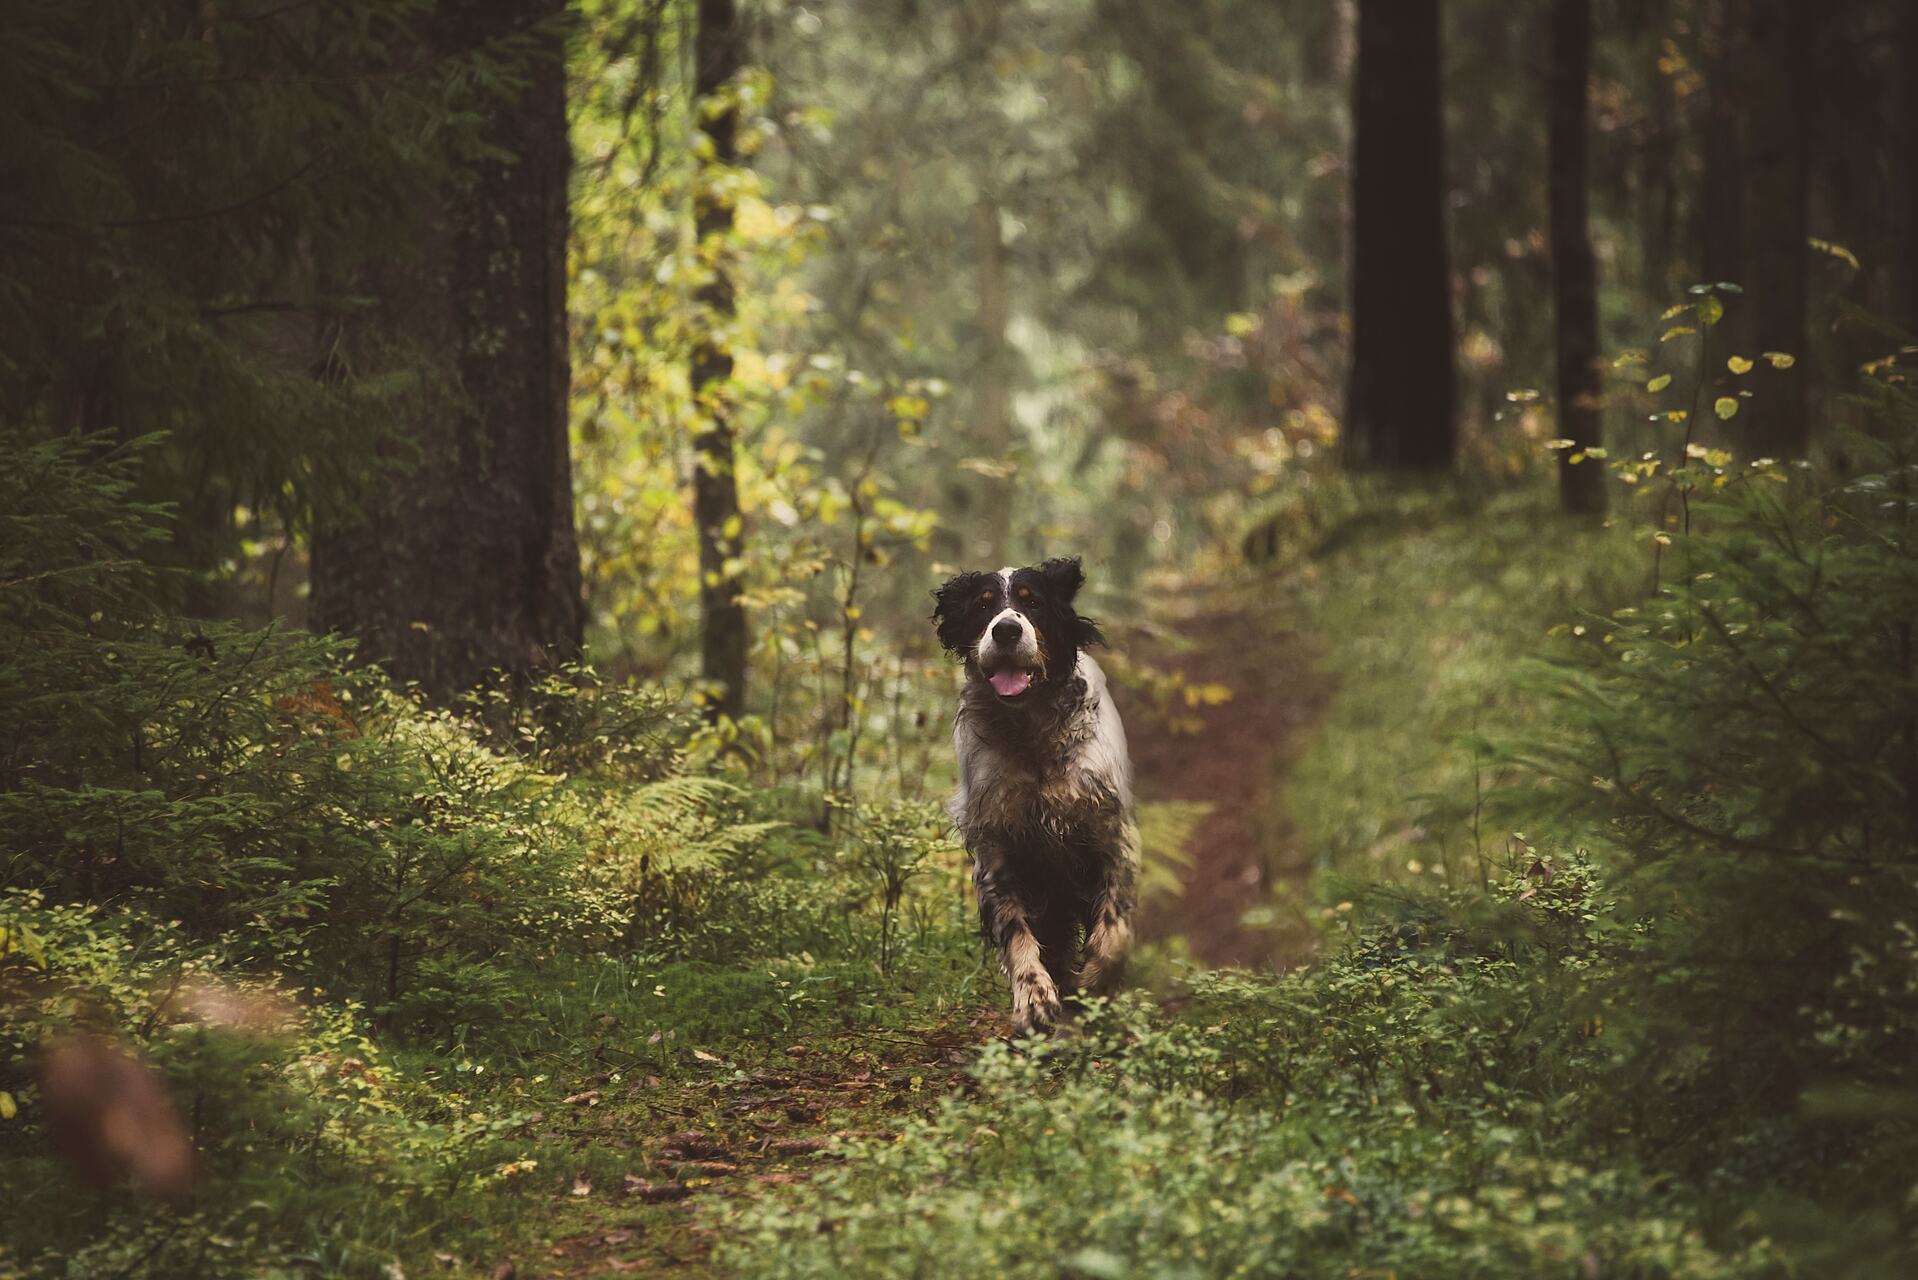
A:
1211, 778
1211, 783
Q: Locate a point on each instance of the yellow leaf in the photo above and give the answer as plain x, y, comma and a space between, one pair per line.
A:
1835, 249
1710, 309
8, 1107
1659, 383
1738, 364
1725, 407
1676, 331
1781, 359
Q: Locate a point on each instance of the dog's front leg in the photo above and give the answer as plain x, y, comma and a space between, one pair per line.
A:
1007, 924
1109, 922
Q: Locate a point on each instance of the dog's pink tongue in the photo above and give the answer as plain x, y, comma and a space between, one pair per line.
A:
1008, 683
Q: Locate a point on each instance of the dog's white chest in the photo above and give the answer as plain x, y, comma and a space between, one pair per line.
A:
1077, 786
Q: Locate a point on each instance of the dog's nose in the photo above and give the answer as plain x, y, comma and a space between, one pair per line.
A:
1005, 633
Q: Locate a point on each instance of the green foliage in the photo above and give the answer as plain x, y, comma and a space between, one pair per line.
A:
191, 191
891, 848
249, 784
1370, 1115
315, 1150
1425, 603
1741, 748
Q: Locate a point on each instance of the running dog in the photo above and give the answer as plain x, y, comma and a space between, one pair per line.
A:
1045, 785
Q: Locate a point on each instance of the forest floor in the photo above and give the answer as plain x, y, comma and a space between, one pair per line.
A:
655, 1154
1242, 875
677, 1147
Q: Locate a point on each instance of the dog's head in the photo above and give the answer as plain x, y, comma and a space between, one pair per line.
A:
1016, 629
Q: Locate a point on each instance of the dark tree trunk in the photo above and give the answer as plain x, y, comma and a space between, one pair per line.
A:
463, 560
719, 53
1904, 176
1581, 485
1399, 411
1758, 169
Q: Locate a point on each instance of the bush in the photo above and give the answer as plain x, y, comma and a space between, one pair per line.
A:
314, 1151
1743, 749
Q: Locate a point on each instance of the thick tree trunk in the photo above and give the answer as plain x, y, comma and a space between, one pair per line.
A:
1399, 411
1581, 485
464, 561
719, 53
1757, 180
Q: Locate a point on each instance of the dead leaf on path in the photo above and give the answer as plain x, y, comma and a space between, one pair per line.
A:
505, 1271
693, 1145
581, 1187
656, 1192
589, 1098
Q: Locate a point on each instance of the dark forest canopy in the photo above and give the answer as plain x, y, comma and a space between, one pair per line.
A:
473, 752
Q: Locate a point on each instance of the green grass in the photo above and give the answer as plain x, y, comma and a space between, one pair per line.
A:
1419, 618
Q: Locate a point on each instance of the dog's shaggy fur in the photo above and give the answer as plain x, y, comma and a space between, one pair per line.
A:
1045, 785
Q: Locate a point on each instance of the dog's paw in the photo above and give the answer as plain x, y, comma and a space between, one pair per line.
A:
1036, 1007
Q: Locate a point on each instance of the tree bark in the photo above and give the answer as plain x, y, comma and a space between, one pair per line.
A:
719, 53
1758, 168
463, 561
1399, 410
1904, 170
1581, 485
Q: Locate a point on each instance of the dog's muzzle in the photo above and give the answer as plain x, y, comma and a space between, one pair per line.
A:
1008, 654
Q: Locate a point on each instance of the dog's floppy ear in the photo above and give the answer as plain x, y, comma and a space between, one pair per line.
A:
1063, 577
950, 604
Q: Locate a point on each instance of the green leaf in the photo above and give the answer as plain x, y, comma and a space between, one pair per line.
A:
1710, 310
1659, 383
1725, 407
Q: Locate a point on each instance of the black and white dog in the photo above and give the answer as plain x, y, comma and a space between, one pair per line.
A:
1045, 785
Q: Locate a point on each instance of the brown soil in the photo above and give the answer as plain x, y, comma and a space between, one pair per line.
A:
1243, 852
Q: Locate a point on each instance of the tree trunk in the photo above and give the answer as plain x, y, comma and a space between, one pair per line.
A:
719, 53
1581, 485
1399, 410
1904, 170
463, 560
1758, 164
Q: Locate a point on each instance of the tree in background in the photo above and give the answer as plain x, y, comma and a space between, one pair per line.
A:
1756, 203
1399, 409
1581, 485
463, 560
718, 56
184, 188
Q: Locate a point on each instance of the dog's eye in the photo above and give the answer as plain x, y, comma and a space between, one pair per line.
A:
988, 595
1025, 595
